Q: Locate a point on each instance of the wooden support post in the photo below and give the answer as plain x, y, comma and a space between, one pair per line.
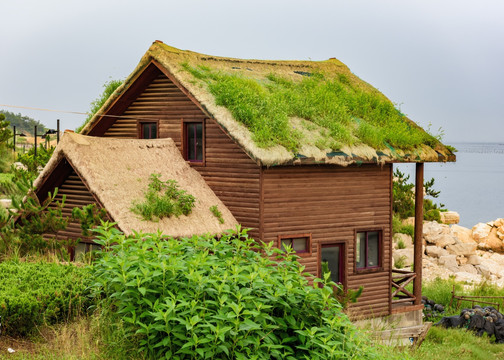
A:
417, 266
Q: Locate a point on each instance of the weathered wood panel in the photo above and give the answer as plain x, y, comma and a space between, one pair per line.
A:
229, 172
76, 195
332, 203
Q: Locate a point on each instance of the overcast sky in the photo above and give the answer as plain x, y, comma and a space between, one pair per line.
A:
441, 61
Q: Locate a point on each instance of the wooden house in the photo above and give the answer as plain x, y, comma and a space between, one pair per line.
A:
114, 174
302, 152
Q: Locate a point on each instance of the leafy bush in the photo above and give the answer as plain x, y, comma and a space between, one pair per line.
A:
224, 298
164, 199
32, 294
32, 163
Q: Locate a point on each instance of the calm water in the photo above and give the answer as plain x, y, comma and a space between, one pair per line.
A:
473, 186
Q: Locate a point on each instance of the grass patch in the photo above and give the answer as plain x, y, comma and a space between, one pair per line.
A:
457, 344
350, 114
164, 199
215, 211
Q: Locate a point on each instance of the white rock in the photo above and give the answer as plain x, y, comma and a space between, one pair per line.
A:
462, 234
448, 261
450, 217
484, 271
435, 251
462, 249
474, 260
405, 256
443, 240
405, 238
461, 260
480, 231
468, 277
468, 269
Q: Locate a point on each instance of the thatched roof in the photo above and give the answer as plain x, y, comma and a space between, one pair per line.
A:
117, 172
347, 137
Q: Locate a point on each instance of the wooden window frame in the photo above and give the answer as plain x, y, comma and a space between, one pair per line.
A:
377, 268
344, 256
140, 128
308, 237
184, 141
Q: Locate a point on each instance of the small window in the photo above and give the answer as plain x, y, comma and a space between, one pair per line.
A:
193, 141
301, 244
368, 250
149, 130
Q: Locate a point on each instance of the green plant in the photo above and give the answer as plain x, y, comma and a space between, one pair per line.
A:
350, 113
400, 263
22, 229
215, 211
32, 294
108, 89
203, 297
401, 244
164, 199
343, 296
88, 216
32, 163
404, 201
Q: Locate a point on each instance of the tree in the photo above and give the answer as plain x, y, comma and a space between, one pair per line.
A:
5, 135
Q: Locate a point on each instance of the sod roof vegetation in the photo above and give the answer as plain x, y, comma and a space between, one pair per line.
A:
293, 112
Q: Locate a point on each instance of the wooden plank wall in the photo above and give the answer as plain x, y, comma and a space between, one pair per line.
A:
229, 172
331, 203
77, 195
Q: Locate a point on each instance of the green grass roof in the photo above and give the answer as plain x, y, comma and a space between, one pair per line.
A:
285, 112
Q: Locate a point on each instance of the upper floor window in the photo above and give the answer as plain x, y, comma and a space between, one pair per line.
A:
149, 130
301, 244
193, 141
368, 250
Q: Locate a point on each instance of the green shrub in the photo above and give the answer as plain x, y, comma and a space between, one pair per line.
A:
407, 229
203, 297
164, 199
32, 294
401, 244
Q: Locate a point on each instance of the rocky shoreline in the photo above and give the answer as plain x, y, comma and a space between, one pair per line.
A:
449, 250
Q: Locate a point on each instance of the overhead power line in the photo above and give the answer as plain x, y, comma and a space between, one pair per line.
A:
77, 112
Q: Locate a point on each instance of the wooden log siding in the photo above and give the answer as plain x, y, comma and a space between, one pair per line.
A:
77, 195
332, 203
229, 172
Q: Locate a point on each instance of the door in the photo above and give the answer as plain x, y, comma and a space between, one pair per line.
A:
333, 255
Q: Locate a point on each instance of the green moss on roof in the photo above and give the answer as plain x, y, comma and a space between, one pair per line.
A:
347, 113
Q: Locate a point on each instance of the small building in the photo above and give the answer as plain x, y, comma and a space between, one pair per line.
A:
114, 173
302, 152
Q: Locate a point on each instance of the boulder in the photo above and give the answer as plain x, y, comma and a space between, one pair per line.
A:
448, 261
474, 260
462, 234
443, 240
484, 271
405, 256
462, 249
468, 269
462, 260
450, 217
468, 277
491, 241
480, 231
405, 238
435, 251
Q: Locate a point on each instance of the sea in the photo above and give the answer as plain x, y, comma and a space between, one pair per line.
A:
473, 186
